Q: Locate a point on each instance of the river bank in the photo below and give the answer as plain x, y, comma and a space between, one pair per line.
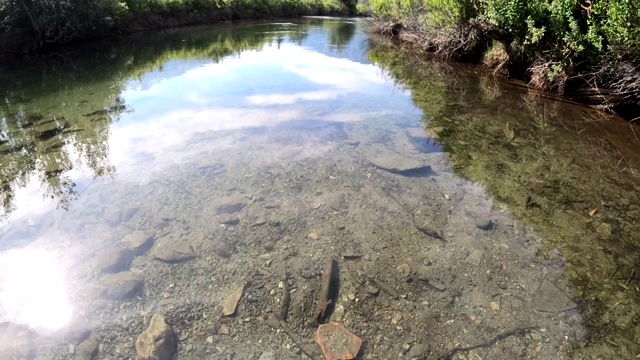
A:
45, 27
607, 81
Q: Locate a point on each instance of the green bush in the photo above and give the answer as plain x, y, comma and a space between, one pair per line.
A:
561, 32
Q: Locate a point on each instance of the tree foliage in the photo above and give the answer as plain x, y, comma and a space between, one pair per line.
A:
27, 25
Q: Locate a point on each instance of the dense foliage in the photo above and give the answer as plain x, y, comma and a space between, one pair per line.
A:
26, 25
555, 37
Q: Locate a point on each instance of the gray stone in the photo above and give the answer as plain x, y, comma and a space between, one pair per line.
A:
483, 223
116, 260
87, 349
113, 216
228, 219
604, 229
267, 355
394, 162
475, 257
373, 290
336, 201
138, 241
418, 350
122, 285
230, 205
158, 341
129, 213
549, 298
172, 251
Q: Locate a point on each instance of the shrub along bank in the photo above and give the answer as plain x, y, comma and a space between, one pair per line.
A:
30, 25
588, 49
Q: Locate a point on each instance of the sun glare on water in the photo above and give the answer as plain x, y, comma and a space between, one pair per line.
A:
32, 290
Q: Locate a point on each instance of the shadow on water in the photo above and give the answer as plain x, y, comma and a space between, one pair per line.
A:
569, 171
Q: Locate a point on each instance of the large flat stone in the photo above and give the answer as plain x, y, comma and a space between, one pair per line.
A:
394, 162
121, 286
172, 251
549, 298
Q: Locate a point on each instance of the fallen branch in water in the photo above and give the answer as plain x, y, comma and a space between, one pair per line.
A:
517, 332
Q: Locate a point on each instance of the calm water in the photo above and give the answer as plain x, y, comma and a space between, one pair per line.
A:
468, 218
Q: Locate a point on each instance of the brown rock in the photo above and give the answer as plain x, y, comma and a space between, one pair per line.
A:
115, 260
138, 241
122, 285
158, 341
172, 251
230, 303
337, 343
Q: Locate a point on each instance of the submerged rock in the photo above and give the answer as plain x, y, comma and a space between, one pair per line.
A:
122, 285
337, 342
173, 251
115, 260
394, 162
138, 241
549, 298
230, 205
87, 349
158, 341
113, 216
228, 219
483, 223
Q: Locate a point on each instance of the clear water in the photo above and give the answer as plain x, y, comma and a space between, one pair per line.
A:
248, 151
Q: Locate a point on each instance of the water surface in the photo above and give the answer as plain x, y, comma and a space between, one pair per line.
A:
246, 154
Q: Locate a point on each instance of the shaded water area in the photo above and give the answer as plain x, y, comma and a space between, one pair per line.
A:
209, 173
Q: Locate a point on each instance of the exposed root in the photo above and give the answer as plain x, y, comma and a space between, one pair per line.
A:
545, 75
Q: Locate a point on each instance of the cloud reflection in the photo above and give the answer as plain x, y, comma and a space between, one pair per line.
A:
32, 290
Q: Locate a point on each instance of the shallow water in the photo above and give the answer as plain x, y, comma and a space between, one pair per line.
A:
160, 173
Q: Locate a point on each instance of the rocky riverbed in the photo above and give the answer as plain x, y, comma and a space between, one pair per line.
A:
196, 262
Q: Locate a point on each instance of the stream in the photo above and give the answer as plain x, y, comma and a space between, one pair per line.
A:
205, 176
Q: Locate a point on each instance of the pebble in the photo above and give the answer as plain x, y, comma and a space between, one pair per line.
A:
267, 355
373, 290
484, 223
418, 350
604, 229
495, 306
224, 329
210, 339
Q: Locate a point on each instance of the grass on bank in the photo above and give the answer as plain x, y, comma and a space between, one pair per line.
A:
554, 43
29, 25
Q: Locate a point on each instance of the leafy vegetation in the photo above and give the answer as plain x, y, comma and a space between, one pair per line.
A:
551, 40
28, 25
